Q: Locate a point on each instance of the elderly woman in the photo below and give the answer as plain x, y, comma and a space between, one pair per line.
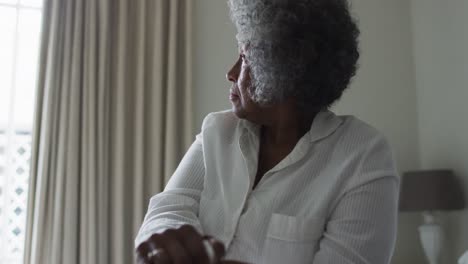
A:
280, 178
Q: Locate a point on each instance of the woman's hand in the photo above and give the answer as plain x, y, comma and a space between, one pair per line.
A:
231, 262
180, 246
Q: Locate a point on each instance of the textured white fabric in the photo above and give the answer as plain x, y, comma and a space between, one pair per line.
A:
333, 199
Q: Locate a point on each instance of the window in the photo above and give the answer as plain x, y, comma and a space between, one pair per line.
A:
20, 24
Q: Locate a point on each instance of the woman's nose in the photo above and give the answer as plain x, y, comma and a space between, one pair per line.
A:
233, 74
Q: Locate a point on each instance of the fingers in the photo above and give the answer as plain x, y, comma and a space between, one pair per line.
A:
148, 253
193, 243
183, 245
141, 253
175, 248
231, 262
217, 246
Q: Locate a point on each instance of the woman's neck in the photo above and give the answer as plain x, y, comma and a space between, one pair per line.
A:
285, 125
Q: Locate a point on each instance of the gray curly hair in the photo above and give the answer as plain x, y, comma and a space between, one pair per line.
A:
302, 48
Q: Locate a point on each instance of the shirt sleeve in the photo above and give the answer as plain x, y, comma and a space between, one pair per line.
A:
362, 226
178, 204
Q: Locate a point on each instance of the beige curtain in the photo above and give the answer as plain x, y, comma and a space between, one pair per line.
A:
112, 122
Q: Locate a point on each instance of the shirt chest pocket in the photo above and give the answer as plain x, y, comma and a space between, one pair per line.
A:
292, 239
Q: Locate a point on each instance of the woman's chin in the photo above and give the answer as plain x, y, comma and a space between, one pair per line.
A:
238, 111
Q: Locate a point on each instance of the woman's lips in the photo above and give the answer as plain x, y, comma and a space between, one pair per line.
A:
233, 95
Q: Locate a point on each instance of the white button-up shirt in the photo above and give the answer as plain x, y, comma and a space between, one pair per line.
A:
333, 199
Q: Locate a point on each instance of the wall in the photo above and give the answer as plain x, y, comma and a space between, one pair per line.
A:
214, 52
382, 94
441, 57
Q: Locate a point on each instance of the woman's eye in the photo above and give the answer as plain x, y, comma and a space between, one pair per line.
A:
244, 60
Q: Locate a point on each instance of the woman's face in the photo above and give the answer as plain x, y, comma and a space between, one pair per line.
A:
242, 104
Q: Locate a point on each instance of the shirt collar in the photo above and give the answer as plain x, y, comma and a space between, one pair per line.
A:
324, 124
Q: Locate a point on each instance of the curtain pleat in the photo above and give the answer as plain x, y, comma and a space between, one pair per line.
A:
112, 120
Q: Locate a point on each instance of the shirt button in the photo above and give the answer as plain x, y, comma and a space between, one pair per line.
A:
243, 210
246, 205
